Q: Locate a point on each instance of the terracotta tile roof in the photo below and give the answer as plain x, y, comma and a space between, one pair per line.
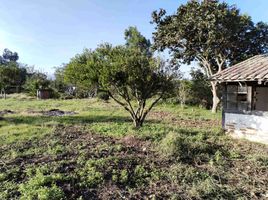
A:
252, 69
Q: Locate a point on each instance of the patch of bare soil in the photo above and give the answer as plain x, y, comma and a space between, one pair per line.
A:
5, 112
53, 112
57, 112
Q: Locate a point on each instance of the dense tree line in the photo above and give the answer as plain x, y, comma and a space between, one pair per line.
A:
16, 77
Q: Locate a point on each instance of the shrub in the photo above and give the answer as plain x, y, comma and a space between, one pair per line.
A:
171, 145
36, 81
2, 176
190, 148
103, 96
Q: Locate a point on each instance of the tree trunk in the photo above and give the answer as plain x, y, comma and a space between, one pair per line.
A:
137, 124
182, 105
216, 99
3, 94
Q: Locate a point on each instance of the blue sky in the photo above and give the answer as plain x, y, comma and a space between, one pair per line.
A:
47, 33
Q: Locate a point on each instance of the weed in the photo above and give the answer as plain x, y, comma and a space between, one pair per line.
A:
42, 187
177, 154
90, 177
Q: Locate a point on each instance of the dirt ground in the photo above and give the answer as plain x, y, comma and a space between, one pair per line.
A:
111, 156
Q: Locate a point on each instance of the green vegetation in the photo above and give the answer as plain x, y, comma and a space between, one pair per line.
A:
181, 153
211, 32
89, 149
129, 74
12, 74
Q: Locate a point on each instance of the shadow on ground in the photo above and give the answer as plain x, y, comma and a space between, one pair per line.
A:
71, 120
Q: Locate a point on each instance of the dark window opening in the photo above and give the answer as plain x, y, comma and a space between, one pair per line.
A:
261, 99
238, 97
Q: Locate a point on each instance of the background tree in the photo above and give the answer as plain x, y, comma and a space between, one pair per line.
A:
128, 73
9, 56
12, 74
184, 91
212, 33
59, 83
8, 76
35, 81
82, 73
136, 41
200, 89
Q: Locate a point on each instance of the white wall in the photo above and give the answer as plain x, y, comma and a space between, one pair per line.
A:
248, 126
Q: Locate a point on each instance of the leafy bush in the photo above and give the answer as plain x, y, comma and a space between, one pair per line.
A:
134, 177
8, 189
190, 148
171, 145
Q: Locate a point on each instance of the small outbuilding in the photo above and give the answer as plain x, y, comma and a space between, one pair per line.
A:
245, 99
43, 93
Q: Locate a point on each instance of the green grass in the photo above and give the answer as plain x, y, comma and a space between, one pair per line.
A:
177, 154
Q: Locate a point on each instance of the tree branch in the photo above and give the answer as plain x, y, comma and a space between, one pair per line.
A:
122, 104
150, 107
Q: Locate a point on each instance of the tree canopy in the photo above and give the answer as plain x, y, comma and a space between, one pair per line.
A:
9, 56
35, 81
12, 74
210, 32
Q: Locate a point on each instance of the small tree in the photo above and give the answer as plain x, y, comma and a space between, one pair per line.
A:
135, 78
200, 89
59, 83
184, 92
214, 34
129, 74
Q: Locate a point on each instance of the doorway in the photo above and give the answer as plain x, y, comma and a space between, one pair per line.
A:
262, 98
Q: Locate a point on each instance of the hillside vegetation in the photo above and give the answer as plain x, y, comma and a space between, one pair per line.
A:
92, 152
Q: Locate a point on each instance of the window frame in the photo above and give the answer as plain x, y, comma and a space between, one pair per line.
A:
242, 92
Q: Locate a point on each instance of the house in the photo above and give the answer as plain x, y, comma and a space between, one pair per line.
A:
245, 99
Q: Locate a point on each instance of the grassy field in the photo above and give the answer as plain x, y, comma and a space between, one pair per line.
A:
96, 154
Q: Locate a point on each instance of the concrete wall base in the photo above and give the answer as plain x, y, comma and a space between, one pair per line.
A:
250, 127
